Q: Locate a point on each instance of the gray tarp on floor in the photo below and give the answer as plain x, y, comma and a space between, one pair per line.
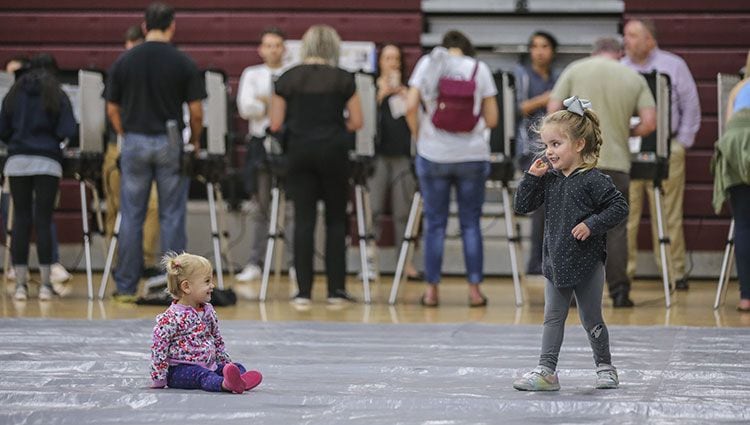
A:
96, 372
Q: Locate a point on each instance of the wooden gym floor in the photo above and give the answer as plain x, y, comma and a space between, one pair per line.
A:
690, 308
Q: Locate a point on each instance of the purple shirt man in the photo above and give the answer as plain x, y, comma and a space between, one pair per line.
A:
645, 56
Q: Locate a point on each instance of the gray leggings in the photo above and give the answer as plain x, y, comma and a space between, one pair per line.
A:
556, 305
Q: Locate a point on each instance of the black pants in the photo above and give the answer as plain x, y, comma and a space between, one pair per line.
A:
37, 192
319, 170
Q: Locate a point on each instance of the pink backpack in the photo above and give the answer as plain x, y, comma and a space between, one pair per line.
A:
455, 104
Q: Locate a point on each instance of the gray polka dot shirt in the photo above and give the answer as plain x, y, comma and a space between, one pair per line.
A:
584, 196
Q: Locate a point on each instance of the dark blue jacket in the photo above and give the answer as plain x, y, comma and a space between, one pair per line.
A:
28, 129
584, 196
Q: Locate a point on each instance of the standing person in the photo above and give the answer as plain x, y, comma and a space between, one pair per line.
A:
447, 160
643, 55
58, 274
618, 92
732, 179
146, 87
581, 205
36, 116
393, 171
310, 101
253, 99
187, 349
534, 83
111, 187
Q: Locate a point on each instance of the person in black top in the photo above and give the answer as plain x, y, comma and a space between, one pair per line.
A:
146, 87
393, 173
580, 205
309, 102
36, 116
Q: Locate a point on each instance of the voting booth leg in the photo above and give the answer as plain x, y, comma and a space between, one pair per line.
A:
406, 252
223, 236
273, 234
86, 239
98, 213
726, 267
663, 247
361, 195
513, 241
110, 256
215, 235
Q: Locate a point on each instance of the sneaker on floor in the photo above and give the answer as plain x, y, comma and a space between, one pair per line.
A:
62, 289
155, 283
301, 301
341, 297
21, 294
124, 298
606, 377
250, 272
11, 273
46, 293
58, 274
245, 291
540, 379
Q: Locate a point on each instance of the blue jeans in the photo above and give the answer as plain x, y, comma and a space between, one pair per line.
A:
145, 158
435, 182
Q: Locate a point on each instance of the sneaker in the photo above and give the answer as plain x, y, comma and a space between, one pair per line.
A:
155, 283
124, 298
11, 273
21, 293
341, 297
58, 274
46, 293
540, 379
606, 377
245, 291
250, 272
372, 271
301, 301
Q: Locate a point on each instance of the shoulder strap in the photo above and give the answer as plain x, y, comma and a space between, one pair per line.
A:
474, 72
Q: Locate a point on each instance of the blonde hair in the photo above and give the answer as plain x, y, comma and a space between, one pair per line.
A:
577, 127
182, 267
321, 41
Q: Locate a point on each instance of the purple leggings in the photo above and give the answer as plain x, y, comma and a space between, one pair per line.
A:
191, 377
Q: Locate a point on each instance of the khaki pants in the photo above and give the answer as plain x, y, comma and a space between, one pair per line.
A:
111, 187
673, 190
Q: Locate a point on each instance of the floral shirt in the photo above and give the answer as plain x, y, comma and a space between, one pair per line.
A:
184, 335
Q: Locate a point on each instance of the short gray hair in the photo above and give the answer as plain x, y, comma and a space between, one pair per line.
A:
607, 44
321, 41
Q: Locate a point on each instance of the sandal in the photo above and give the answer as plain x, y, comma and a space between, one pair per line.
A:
482, 303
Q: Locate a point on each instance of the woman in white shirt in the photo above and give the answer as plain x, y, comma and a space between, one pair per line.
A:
448, 159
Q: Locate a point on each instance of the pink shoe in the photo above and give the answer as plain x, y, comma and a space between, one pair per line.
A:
232, 379
252, 379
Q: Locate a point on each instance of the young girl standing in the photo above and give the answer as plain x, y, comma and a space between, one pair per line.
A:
188, 351
580, 205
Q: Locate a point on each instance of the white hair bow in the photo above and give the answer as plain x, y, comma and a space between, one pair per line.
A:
576, 105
